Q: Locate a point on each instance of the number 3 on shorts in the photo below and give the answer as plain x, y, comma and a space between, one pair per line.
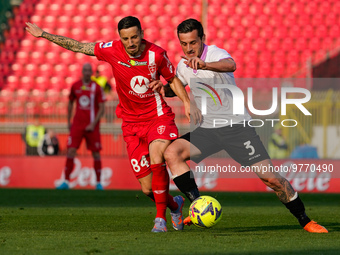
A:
251, 147
143, 162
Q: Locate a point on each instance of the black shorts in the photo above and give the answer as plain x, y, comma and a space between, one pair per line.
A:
241, 143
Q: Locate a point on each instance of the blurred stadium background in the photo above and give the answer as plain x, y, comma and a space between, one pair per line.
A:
286, 39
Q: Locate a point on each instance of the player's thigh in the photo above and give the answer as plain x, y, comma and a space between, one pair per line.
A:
93, 140
75, 137
182, 149
244, 145
203, 143
156, 150
159, 134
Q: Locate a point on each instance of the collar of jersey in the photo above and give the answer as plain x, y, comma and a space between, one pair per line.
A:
204, 53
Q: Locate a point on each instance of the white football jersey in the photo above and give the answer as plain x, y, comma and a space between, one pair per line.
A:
215, 103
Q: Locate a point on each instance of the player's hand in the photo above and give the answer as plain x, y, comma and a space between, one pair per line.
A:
187, 111
195, 62
34, 30
157, 85
195, 114
90, 127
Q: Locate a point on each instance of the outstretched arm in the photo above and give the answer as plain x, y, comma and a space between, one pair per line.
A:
65, 42
223, 65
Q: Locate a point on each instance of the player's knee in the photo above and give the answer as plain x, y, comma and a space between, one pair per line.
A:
172, 154
71, 152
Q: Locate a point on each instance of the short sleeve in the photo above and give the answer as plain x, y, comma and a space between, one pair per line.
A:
217, 54
100, 95
180, 76
166, 68
72, 96
102, 49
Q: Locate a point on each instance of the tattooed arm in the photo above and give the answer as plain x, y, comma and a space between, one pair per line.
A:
65, 42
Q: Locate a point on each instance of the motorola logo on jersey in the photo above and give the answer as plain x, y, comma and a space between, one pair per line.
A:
139, 84
84, 101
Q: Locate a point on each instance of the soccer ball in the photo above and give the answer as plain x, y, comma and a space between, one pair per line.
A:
205, 212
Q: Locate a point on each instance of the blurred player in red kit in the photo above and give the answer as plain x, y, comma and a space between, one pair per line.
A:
148, 122
90, 106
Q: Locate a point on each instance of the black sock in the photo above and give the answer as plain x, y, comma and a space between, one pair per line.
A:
186, 184
297, 208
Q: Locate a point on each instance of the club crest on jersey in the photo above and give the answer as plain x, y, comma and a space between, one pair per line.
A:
106, 45
161, 129
139, 84
152, 69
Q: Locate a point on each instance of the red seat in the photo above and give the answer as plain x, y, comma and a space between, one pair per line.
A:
300, 44
238, 32
259, 44
230, 44
267, 32
26, 83
40, 9
22, 57
245, 45
334, 31
36, 19
294, 31
253, 32
41, 83
49, 22
273, 44
314, 44
26, 45
307, 31
281, 32
287, 44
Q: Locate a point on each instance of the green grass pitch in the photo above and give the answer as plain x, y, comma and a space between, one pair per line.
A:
119, 222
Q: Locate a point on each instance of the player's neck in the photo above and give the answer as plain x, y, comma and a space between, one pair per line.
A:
86, 82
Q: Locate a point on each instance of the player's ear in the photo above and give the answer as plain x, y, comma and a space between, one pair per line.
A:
203, 38
142, 34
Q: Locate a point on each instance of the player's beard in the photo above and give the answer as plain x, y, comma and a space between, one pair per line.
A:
133, 51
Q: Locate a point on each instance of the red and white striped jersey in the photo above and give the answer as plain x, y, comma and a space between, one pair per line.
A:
88, 97
137, 102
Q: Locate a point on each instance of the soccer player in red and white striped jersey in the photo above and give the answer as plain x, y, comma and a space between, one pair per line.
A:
148, 122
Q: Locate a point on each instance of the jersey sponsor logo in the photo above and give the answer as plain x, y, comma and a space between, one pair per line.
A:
137, 63
161, 129
84, 101
139, 84
85, 88
123, 64
209, 93
106, 45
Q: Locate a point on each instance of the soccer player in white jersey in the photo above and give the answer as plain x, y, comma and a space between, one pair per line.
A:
202, 68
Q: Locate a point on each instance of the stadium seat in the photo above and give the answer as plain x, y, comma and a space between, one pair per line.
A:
22, 57
273, 44
314, 44
259, 44
40, 9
